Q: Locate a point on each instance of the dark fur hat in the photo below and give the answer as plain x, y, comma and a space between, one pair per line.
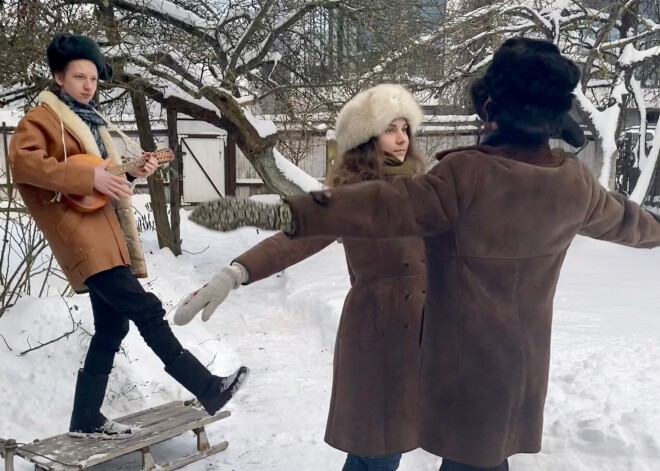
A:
66, 47
530, 85
569, 130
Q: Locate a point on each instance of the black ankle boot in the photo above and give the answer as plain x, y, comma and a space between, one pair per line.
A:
86, 418
213, 392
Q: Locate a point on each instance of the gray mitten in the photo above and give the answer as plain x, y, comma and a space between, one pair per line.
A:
211, 295
229, 213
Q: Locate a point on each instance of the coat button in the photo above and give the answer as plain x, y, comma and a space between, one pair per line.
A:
406, 265
406, 326
407, 296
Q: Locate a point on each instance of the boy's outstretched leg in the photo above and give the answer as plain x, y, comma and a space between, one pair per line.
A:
213, 392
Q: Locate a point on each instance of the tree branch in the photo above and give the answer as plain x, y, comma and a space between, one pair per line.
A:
254, 25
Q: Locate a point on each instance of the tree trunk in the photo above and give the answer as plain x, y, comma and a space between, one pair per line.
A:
257, 149
155, 182
176, 171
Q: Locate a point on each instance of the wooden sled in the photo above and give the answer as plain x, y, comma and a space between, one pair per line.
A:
155, 425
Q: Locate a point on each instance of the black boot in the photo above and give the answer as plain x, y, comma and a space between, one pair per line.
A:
213, 392
86, 418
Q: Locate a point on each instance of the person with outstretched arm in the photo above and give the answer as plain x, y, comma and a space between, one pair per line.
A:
497, 220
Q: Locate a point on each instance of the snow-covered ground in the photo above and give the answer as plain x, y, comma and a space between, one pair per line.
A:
602, 411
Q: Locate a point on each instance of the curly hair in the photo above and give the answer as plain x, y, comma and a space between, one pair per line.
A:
530, 85
364, 163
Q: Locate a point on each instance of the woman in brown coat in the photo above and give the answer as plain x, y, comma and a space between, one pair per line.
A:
373, 408
497, 220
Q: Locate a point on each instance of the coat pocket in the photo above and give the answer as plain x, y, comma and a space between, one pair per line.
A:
69, 224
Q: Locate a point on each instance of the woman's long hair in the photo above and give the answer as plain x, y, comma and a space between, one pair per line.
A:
364, 163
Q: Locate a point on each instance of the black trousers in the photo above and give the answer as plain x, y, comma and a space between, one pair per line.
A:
118, 297
449, 465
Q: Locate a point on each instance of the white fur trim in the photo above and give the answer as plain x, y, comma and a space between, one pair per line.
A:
78, 127
368, 114
109, 144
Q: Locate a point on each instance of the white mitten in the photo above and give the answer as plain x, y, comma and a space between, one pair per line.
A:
211, 295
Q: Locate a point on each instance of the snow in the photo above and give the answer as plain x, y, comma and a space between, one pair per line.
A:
642, 186
602, 412
10, 117
457, 118
265, 127
295, 174
174, 11
606, 123
170, 90
531, 12
638, 95
246, 99
631, 56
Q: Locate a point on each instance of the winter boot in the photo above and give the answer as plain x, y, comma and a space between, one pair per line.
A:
211, 391
86, 419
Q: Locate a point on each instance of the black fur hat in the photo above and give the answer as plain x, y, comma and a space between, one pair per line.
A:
569, 130
530, 85
67, 47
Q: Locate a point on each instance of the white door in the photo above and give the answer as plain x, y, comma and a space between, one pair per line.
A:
203, 168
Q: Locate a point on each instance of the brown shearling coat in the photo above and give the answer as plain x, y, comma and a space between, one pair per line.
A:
497, 223
82, 243
373, 407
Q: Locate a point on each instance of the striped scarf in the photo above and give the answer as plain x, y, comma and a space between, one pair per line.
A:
87, 114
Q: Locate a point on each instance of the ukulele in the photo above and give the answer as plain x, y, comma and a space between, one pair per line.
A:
89, 203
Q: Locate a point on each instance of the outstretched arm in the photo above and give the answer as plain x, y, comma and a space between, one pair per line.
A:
615, 218
270, 256
420, 206
278, 252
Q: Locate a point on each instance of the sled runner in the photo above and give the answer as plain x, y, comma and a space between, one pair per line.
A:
155, 425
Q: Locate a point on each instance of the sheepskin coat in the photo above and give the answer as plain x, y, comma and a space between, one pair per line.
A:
83, 243
497, 222
373, 406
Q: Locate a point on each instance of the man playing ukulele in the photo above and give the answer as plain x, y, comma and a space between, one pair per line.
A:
90, 246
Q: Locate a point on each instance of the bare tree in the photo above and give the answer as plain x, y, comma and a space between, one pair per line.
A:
208, 59
615, 44
26, 263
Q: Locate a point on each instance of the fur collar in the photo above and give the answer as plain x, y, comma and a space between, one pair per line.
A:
540, 155
78, 128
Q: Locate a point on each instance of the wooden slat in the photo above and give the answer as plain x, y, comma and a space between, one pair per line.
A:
148, 420
192, 458
153, 410
157, 426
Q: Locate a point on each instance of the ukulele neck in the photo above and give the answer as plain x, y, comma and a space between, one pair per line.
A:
128, 166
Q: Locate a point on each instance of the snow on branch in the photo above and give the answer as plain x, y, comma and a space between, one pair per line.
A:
168, 11
631, 56
264, 127
295, 175
254, 25
281, 26
537, 18
644, 181
606, 123
619, 43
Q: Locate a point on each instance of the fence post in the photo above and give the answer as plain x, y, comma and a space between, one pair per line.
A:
330, 151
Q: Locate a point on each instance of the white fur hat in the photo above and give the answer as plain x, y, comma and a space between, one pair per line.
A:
370, 112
